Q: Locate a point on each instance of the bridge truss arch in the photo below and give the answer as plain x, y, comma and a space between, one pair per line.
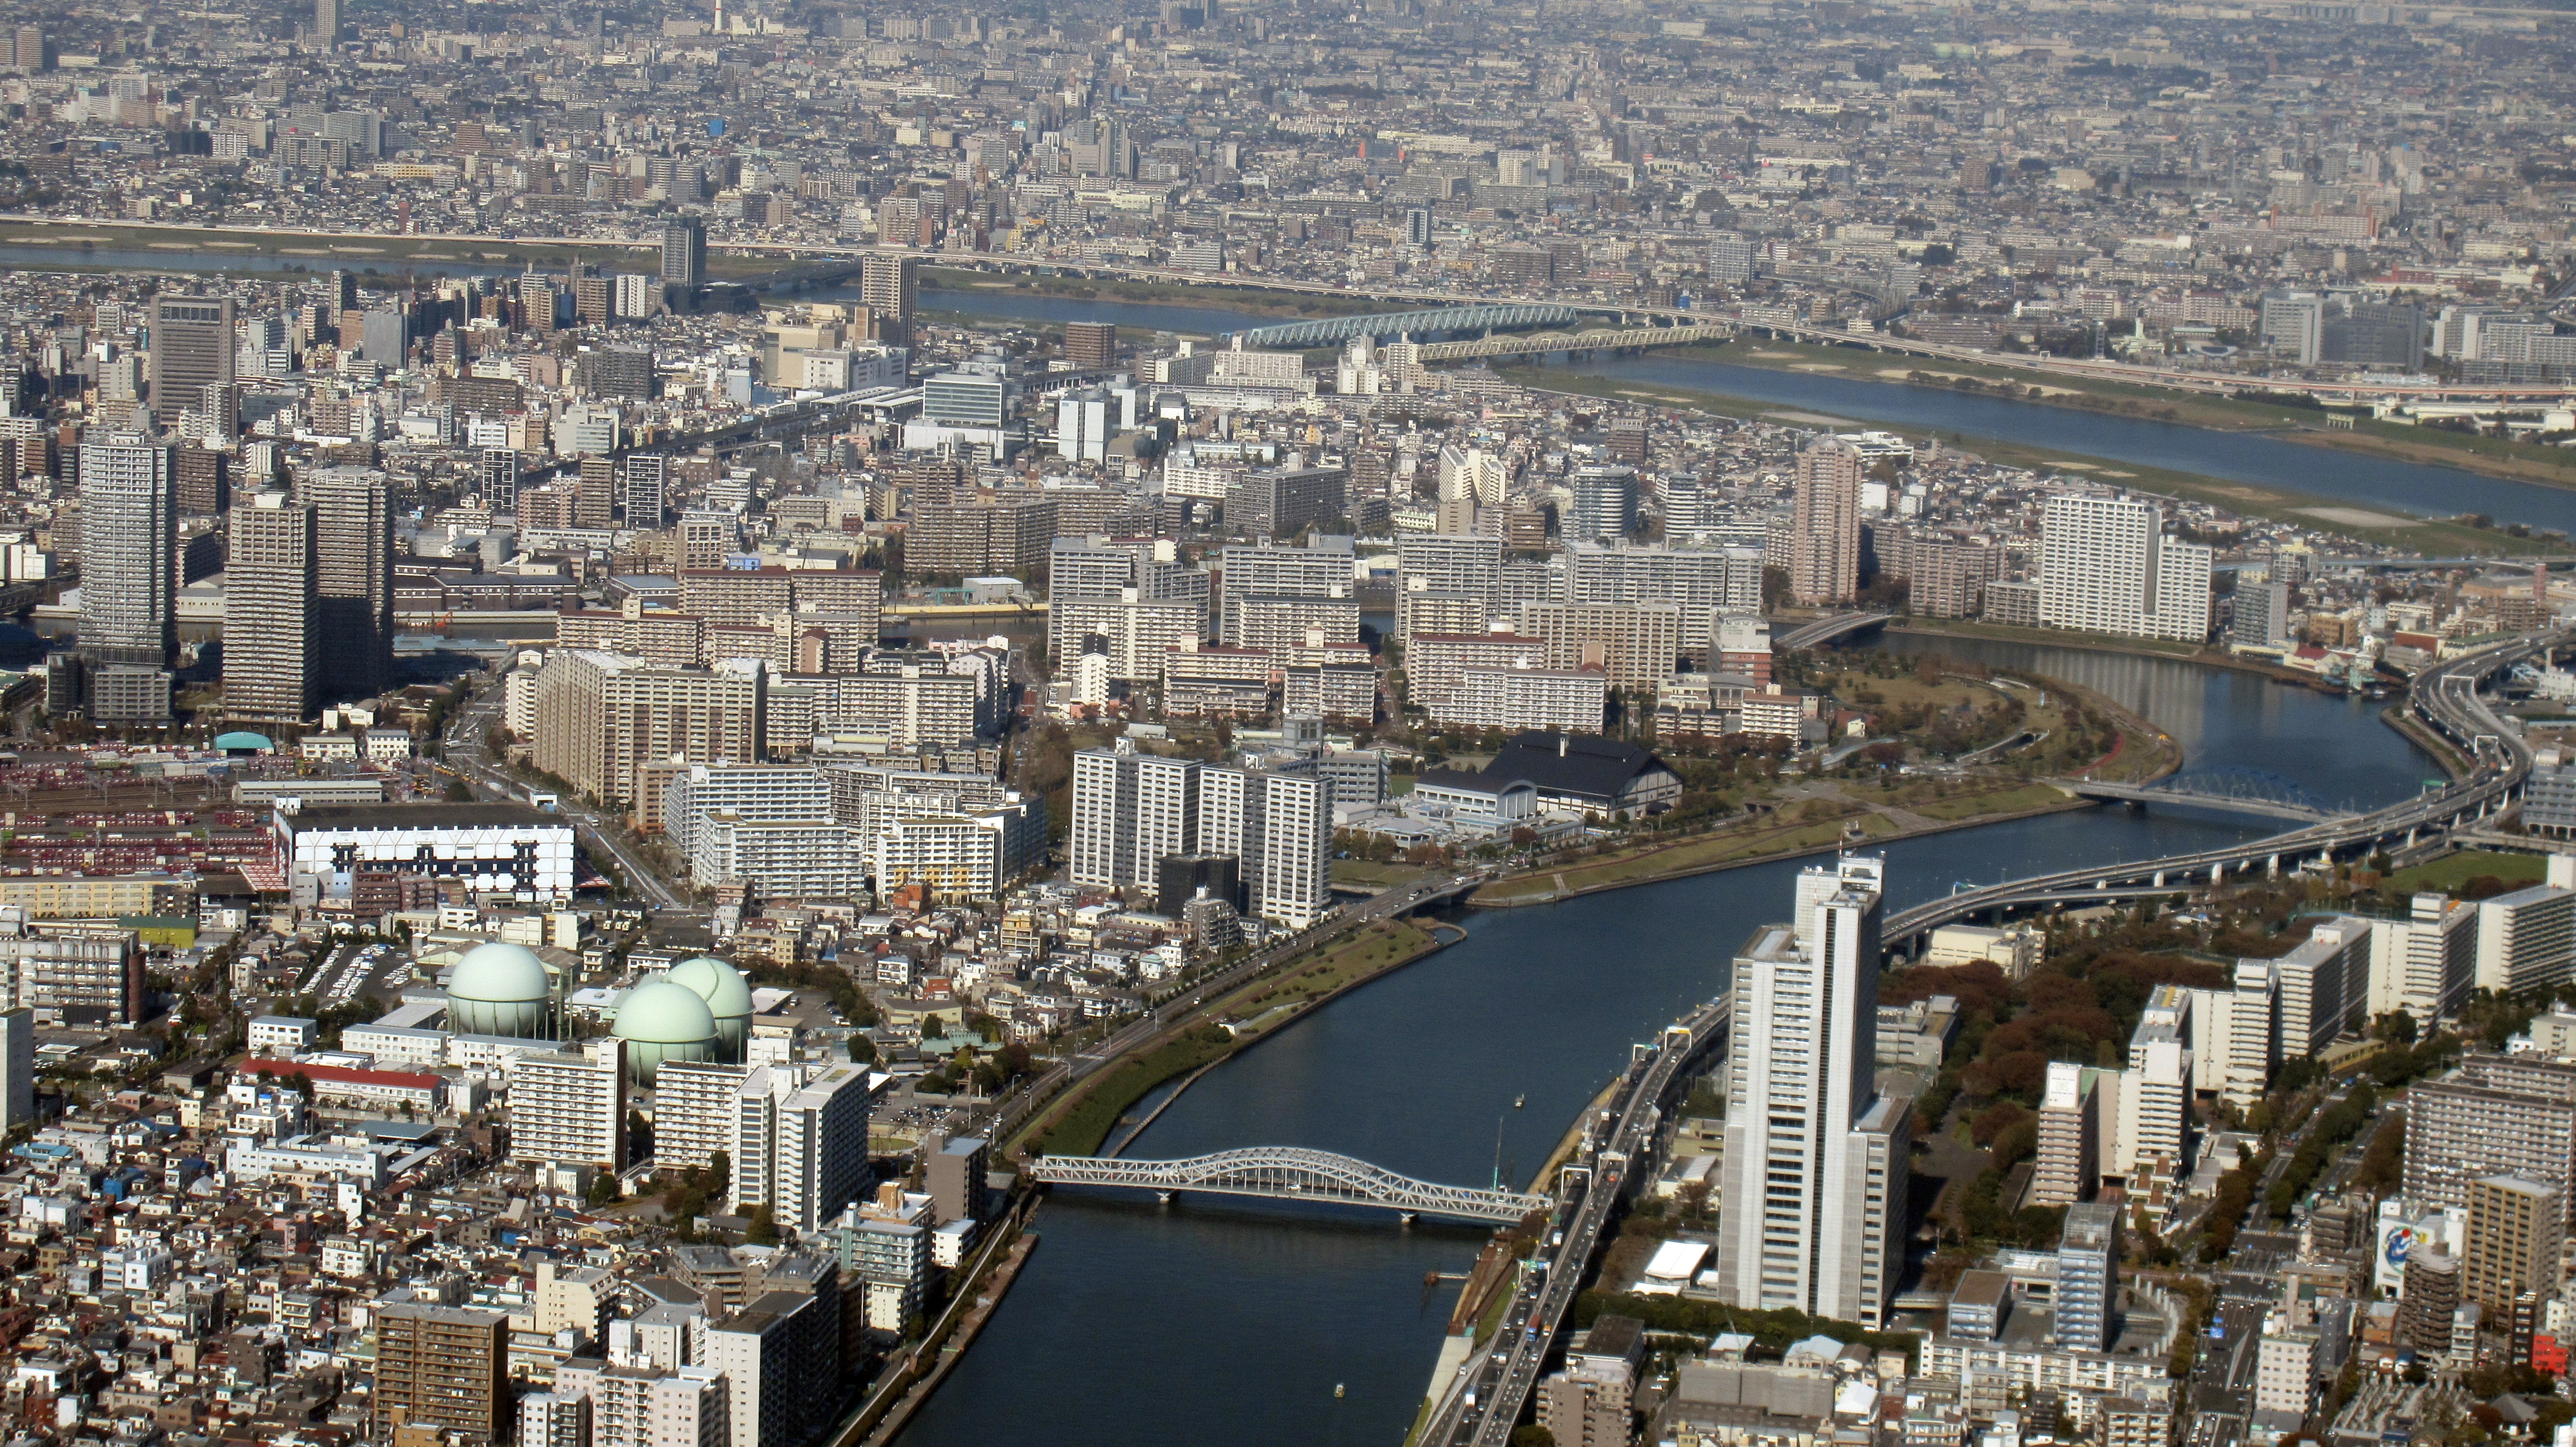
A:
2241, 783
1295, 1173
1385, 326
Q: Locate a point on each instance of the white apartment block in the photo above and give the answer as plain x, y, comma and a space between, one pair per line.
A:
1564, 700
569, 1107
1433, 661
781, 859
1703, 581
693, 1111
818, 1163
2427, 963
1132, 810
2107, 567
1461, 565
1139, 632
2527, 939
2324, 986
776, 792
912, 707
1636, 645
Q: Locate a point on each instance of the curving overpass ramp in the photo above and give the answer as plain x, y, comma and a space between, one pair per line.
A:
2444, 699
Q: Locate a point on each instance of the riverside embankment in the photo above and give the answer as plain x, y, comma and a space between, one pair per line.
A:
1232, 1319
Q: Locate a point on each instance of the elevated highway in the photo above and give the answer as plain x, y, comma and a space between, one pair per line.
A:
2445, 700
1291, 1173
1482, 1403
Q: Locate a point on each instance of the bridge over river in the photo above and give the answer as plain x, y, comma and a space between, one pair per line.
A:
1294, 1173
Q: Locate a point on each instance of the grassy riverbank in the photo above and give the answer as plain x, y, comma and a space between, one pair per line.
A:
2420, 535
1078, 1124
1819, 814
2494, 456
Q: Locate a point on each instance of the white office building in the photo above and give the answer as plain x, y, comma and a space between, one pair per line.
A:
1815, 1176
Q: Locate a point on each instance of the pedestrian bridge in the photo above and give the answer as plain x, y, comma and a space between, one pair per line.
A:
1386, 326
1291, 1173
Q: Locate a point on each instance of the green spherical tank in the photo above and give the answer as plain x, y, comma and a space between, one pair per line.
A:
499, 989
659, 1022
728, 998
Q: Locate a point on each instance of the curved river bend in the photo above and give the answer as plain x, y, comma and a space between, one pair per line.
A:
1234, 1321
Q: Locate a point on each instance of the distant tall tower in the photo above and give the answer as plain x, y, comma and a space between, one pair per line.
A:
887, 285
353, 549
192, 350
1826, 533
684, 252
269, 659
1816, 1180
326, 21
129, 576
129, 529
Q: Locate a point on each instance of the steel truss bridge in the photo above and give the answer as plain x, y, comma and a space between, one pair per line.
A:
1593, 339
1384, 326
1292, 1173
2233, 787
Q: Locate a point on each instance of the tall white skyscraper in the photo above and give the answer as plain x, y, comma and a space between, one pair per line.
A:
2105, 566
1816, 1175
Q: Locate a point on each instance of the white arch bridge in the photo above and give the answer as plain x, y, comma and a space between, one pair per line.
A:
1291, 1173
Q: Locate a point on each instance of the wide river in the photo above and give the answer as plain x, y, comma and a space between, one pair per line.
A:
1217, 1321
2328, 476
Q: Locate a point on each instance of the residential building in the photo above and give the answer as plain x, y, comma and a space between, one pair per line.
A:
2526, 940
353, 608
2427, 963
2496, 1115
1132, 810
1825, 564
2106, 566
568, 1107
2087, 1296
270, 660
602, 715
442, 1367
2512, 1241
2068, 1165
1565, 700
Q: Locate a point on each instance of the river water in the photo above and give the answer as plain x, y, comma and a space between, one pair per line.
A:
2326, 475
1234, 1321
